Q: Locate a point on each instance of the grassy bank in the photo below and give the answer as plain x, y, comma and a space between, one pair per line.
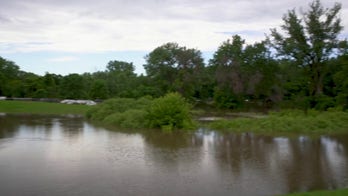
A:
341, 192
29, 107
289, 121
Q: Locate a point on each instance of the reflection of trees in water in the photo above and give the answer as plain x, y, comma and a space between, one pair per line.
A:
8, 126
12, 123
302, 163
42, 125
312, 164
172, 150
341, 145
172, 141
307, 166
234, 151
39, 125
71, 127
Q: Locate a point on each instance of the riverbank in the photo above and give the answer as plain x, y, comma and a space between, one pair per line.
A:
287, 121
284, 122
32, 107
340, 192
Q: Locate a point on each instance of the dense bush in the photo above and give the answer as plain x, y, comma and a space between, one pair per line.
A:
168, 112
133, 118
112, 110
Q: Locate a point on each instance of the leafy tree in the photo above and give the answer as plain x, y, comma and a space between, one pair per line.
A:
175, 68
260, 72
293, 81
190, 65
144, 87
8, 72
310, 41
227, 65
31, 83
341, 81
49, 86
243, 72
161, 66
15, 88
73, 87
99, 90
120, 67
120, 78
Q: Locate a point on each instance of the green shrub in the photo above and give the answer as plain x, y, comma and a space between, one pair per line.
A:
169, 112
133, 118
324, 102
119, 111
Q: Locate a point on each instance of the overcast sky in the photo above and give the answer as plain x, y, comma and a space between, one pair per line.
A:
77, 36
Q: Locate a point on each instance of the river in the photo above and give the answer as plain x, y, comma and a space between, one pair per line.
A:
66, 155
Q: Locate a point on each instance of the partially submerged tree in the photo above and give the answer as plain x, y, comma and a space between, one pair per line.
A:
310, 41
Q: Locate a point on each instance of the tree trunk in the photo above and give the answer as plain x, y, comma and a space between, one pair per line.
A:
317, 80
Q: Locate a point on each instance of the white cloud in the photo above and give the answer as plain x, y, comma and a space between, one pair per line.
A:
87, 26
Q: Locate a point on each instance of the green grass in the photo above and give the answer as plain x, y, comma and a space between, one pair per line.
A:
30, 107
289, 121
340, 192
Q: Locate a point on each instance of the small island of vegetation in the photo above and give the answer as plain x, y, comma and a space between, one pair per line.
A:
167, 113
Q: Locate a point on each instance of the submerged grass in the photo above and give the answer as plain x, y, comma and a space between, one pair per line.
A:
289, 121
31, 107
340, 192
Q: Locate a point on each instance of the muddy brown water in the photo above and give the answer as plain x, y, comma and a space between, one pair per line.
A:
66, 155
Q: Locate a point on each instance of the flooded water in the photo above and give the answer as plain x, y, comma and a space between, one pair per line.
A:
59, 155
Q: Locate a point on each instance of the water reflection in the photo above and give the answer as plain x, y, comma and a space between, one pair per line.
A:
296, 164
7, 127
65, 155
173, 141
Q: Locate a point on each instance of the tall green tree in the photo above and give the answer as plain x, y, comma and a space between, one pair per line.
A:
32, 85
47, 86
9, 72
341, 81
227, 65
244, 72
73, 86
161, 67
120, 78
175, 68
99, 90
309, 41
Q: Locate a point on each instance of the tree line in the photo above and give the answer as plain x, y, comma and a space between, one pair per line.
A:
304, 63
